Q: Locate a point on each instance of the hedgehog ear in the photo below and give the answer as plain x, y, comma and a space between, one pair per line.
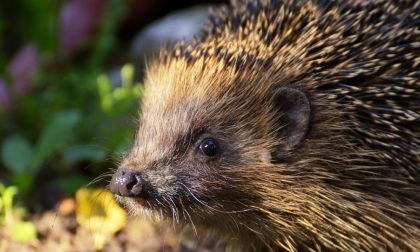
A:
293, 111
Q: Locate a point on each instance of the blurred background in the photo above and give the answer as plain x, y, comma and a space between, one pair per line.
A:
70, 86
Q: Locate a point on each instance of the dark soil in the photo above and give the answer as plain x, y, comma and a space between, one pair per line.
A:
59, 233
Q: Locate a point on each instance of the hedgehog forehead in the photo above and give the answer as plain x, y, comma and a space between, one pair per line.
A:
179, 83
182, 75
181, 99
205, 88
174, 102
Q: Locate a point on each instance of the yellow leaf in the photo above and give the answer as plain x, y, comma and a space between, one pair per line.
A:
98, 211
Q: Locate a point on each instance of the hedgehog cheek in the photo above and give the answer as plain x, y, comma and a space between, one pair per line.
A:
293, 109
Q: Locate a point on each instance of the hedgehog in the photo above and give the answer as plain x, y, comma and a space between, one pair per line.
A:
286, 125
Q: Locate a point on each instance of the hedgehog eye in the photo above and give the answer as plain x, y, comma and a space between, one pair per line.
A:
209, 147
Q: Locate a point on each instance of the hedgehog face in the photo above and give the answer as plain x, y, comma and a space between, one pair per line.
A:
203, 149
181, 173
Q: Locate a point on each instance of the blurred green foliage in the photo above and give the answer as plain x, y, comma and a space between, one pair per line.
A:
10, 216
74, 114
6, 203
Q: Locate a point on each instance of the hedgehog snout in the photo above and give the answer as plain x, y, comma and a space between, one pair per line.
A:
127, 183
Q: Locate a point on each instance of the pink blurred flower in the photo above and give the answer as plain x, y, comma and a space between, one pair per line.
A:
5, 100
23, 65
78, 20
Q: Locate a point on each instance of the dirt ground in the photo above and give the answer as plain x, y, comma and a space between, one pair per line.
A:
58, 233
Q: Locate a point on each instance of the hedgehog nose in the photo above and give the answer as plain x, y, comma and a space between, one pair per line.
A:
126, 183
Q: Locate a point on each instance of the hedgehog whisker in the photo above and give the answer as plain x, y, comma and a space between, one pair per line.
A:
159, 202
100, 178
176, 210
212, 208
185, 212
173, 209
173, 213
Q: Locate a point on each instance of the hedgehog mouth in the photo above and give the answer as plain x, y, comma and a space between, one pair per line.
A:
141, 203
144, 202
169, 209
183, 205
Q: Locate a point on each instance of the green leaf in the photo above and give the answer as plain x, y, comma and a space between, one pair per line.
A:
137, 91
105, 95
120, 93
84, 153
23, 231
7, 198
23, 181
127, 75
8, 195
55, 136
17, 154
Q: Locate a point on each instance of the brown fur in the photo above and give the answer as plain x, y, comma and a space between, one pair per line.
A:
351, 185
